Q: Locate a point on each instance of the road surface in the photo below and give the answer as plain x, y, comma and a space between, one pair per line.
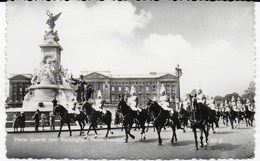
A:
227, 143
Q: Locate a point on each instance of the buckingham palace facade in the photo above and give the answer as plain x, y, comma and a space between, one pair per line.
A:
110, 85
146, 85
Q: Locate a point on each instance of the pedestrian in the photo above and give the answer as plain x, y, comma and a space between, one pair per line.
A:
22, 121
16, 122
43, 120
36, 118
52, 120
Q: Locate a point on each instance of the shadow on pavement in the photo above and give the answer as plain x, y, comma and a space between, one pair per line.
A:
183, 143
224, 132
223, 147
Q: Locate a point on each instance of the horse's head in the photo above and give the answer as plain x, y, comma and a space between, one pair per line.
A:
153, 107
122, 105
59, 109
193, 102
87, 107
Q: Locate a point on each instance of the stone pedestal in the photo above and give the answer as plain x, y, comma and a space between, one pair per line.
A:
50, 80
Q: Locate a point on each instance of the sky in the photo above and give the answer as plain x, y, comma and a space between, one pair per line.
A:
212, 42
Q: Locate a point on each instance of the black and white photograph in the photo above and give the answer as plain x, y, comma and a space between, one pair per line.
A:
130, 80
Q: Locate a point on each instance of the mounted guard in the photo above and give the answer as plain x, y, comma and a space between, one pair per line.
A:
99, 103
133, 101
164, 100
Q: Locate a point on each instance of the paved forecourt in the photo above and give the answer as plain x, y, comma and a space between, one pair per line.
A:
227, 143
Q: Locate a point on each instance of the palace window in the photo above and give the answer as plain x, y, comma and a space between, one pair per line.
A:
112, 89
140, 89
147, 89
127, 89
154, 88
119, 89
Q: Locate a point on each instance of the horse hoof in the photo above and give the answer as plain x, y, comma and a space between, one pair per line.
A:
111, 132
214, 132
196, 148
201, 145
159, 144
144, 137
126, 140
175, 139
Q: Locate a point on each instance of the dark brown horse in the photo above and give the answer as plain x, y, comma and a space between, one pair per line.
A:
69, 117
95, 117
161, 118
129, 116
200, 119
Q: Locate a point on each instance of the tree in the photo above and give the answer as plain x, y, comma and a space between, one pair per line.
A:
250, 92
193, 92
229, 96
219, 98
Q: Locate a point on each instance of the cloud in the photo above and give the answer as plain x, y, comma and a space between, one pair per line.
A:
89, 34
216, 64
103, 36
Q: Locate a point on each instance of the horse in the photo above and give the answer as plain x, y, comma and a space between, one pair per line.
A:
199, 119
225, 116
67, 117
128, 119
249, 116
161, 118
214, 119
184, 117
95, 116
235, 117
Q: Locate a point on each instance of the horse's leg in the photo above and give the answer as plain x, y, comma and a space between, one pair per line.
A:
80, 126
129, 129
68, 123
108, 129
147, 126
126, 132
95, 130
174, 136
89, 128
217, 125
142, 125
83, 126
201, 136
212, 125
195, 137
158, 128
61, 124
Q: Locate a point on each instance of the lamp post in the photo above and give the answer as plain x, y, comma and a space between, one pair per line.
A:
178, 71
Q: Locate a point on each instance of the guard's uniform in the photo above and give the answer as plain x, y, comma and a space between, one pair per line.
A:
132, 102
164, 100
234, 105
227, 109
211, 104
98, 106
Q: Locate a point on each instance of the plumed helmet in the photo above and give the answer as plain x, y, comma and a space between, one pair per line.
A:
132, 90
99, 95
162, 89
